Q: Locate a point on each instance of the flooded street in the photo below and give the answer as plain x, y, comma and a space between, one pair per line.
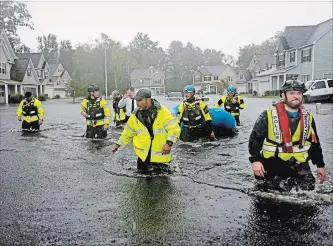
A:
58, 188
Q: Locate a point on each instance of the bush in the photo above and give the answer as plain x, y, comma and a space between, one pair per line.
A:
42, 97
57, 96
255, 93
15, 98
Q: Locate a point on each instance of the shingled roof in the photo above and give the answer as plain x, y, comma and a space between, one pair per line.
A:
18, 70
35, 57
298, 36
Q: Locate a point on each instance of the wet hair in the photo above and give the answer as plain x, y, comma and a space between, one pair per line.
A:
130, 89
28, 94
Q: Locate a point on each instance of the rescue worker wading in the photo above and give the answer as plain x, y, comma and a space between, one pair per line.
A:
128, 102
153, 130
31, 111
232, 103
96, 112
194, 114
282, 142
120, 113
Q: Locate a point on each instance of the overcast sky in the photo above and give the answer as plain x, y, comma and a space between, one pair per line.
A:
216, 25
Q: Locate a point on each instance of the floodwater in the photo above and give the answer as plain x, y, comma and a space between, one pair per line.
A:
58, 188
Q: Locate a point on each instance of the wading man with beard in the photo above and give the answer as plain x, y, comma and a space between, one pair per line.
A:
153, 130
282, 142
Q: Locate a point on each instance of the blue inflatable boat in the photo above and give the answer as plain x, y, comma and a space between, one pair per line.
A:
220, 117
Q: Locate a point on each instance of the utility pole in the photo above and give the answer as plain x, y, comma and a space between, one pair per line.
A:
106, 75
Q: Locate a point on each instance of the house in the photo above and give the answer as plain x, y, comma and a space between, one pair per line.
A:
207, 77
17, 75
151, 78
302, 52
243, 80
258, 65
58, 81
41, 66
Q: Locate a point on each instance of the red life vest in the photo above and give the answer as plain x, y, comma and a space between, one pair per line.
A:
285, 129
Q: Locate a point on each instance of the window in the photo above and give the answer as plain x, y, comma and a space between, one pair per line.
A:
29, 71
216, 78
319, 85
39, 73
305, 78
46, 73
197, 78
141, 82
59, 69
3, 68
281, 60
241, 76
306, 55
229, 79
208, 78
330, 83
58, 81
292, 56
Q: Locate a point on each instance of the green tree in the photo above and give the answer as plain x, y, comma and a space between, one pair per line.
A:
49, 46
12, 15
66, 53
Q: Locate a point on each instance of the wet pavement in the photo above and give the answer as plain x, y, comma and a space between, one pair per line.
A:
58, 188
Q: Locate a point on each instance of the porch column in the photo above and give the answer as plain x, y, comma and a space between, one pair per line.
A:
37, 91
15, 89
284, 78
270, 83
6, 93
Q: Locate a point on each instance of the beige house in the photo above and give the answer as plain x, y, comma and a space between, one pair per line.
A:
207, 77
151, 78
17, 75
58, 81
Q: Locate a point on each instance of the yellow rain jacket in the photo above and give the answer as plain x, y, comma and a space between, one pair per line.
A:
193, 113
232, 108
97, 110
165, 128
30, 111
272, 145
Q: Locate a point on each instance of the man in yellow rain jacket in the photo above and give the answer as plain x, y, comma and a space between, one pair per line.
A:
31, 111
97, 113
194, 114
153, 130
232, 103
119, 113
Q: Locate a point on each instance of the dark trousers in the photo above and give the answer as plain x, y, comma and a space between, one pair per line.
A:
32, 125
196, 133
144, 166
237, 120
91, 132
281, 173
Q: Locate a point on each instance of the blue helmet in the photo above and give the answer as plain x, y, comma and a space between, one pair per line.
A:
189, 88
231, 88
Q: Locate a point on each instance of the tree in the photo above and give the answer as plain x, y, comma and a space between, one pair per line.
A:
66, 55
12, 15
49, 46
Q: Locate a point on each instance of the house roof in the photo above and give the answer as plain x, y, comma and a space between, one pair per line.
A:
18, 70
140, 73
35, 57
215, 70
53, 68
265, 59
247, 75
298, 36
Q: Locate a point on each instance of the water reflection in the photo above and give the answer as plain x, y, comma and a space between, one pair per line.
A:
273, 222
152, 209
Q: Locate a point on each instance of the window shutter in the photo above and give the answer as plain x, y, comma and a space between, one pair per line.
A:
310, 53
302, 58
